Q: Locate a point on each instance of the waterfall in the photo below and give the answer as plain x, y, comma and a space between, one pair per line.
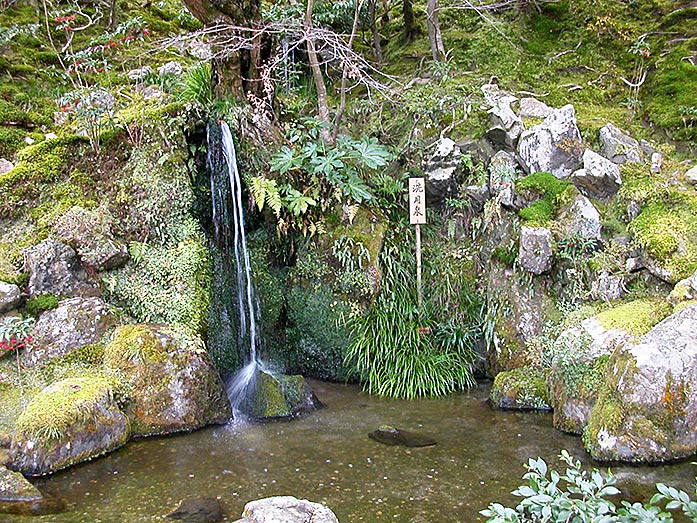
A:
228, 223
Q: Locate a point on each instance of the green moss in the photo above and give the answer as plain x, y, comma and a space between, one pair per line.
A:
133, 344
45, 302
521, 388
549, 193
636, 317
11, 140
505, 254
50, 414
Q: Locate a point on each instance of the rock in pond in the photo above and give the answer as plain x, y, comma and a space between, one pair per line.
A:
68, 422
286, 509
175, 385
524, 388
392, 436
198, 510
647, 410
18, 496
271, 396
76, 322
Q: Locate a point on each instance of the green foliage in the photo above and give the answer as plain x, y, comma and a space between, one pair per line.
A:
577, 496
166, 283
505, 254
401, 350
575, 247
15, 328
45, 302
313, 177
198, 85
548, 192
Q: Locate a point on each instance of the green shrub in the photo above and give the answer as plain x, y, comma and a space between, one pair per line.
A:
576, 496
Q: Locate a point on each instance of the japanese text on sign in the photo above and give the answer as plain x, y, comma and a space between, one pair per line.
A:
417, 201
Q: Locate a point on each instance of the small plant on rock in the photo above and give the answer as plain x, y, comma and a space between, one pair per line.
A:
14, 334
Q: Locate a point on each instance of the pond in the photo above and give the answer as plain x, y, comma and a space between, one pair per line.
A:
327, 457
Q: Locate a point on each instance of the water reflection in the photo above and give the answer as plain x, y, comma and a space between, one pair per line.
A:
327, 456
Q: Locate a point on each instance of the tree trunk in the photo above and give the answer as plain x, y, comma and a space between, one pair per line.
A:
410, 30
237, 73
377, 46
434, 35
320, 86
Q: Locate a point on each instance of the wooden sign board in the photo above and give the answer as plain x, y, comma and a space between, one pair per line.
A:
417, 201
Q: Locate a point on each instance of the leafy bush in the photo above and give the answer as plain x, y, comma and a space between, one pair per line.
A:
575, 496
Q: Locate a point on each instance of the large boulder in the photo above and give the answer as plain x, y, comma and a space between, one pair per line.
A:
10, 296
54, 268
618, 146
271, 396
70, 421
507, 126
552, 146
76, 322
286, 509
90, 233
599, 178
536, 249
647, 410
174, 384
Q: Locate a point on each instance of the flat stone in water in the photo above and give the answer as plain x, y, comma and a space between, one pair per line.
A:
392, 436
198, 510
18, 496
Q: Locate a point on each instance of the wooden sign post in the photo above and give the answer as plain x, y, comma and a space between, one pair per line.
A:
417, 216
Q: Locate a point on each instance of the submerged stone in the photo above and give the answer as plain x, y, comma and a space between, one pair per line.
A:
272, 396
198, 510
393, 436
18, 496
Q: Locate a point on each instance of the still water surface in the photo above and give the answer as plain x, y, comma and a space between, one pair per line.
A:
327, 457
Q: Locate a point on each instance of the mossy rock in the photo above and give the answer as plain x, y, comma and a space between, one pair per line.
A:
524, 388
645, 412
637, 317
71, 421
573, 386
272, 396
546, 193
172, 383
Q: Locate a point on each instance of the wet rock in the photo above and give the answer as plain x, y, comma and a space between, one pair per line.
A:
76, 322
536, 249
18, 496
55, 269
392, 436
646, 411
618, 146
553, 146
10, 297
286, 509
271, 396
580, 218
68, 422
5, 166
198, 510
90, 233
441, 170
533, 108
175, 385
599, 178
691, 176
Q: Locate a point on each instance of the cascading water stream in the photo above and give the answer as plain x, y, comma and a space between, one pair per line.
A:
228, 214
